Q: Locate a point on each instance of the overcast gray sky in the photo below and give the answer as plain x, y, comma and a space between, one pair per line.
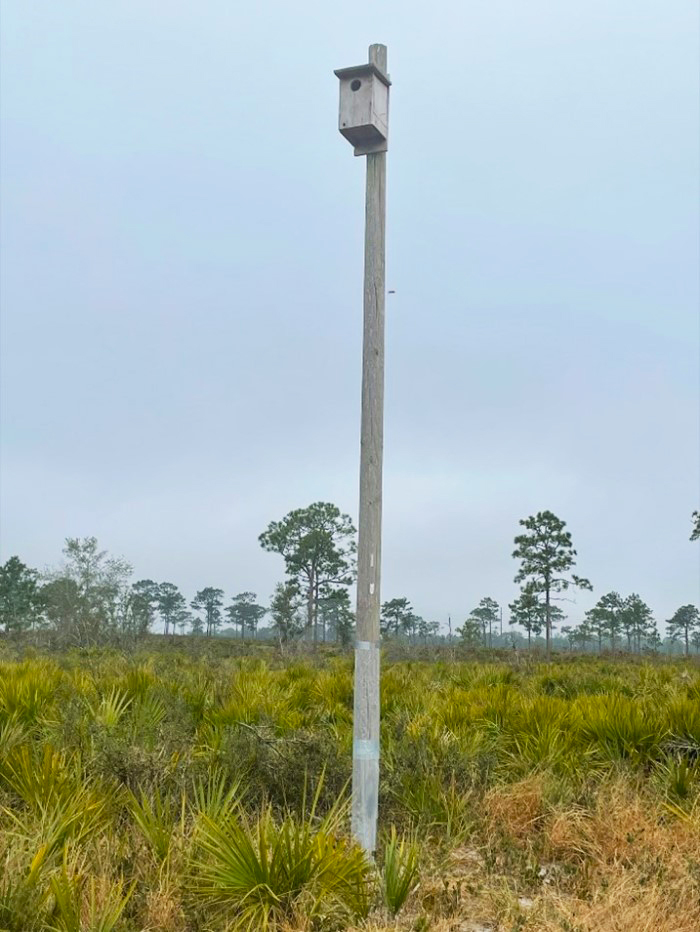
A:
182, 286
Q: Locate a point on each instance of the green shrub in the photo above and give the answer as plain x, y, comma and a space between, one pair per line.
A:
400, 871
258, 872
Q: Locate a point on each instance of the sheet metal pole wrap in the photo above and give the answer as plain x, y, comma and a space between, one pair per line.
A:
365, 754
365, 747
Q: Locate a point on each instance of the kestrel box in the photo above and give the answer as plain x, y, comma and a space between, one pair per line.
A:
364, 108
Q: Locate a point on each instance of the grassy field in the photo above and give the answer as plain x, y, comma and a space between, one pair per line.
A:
183, 790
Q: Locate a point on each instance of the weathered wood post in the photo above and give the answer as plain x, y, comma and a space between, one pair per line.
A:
364, 121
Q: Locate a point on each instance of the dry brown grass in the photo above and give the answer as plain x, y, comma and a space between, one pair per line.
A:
626, 906
626, 829
638, 867
624, 865
516, 810
163, 911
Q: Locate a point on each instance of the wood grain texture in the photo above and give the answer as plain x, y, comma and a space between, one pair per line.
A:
365, 789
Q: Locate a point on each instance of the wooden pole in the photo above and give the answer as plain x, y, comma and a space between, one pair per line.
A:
365, 746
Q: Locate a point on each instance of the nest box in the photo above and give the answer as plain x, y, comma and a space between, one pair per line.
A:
364, 108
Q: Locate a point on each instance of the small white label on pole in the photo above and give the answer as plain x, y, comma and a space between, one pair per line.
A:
371, 559
371, 588
364, 645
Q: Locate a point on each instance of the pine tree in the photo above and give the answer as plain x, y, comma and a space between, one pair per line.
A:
636, 621
19, 596
245, 612
396, 615
528, 611
143, 601
610, 607
171, 604
470, 632
318, 547
684, 622
337, 617
209, 601
285, 610
547, 557
486, 613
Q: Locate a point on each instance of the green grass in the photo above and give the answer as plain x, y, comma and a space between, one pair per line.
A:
169, 790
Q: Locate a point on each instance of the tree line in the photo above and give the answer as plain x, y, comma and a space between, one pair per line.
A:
89, 599
547, 559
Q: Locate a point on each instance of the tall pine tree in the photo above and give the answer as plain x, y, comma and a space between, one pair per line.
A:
547, 557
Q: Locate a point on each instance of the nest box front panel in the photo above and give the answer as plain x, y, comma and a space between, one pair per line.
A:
363, 110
